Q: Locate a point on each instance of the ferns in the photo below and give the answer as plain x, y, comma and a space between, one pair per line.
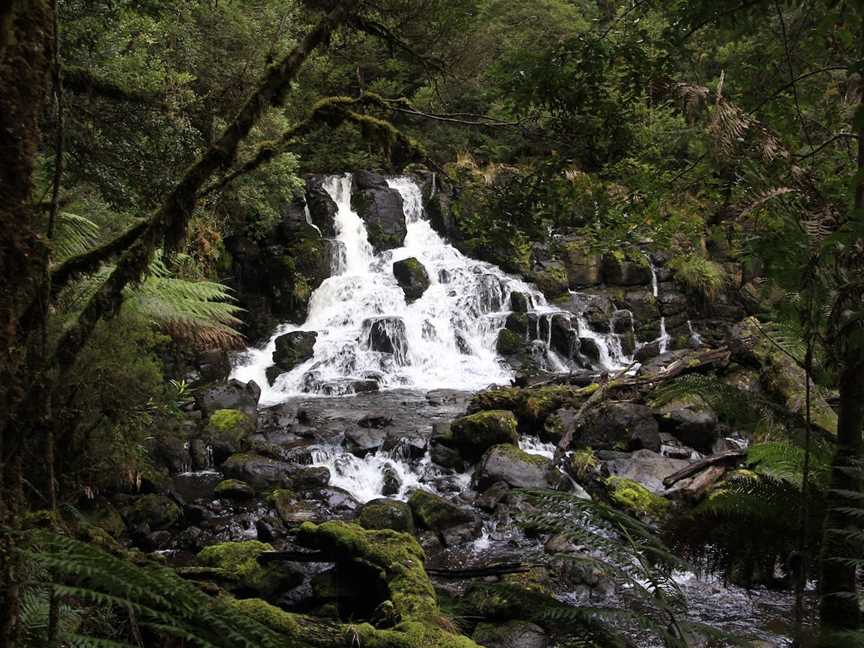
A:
159, 600
74, 235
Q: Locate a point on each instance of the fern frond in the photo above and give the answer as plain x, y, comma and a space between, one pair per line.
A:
73, 235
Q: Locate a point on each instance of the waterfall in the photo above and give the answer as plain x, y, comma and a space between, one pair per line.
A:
663, 340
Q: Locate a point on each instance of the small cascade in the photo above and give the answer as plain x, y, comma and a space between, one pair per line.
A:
695, 339
664, 339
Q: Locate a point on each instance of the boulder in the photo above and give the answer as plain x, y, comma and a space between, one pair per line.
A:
512, 634
472, 435
691, 421
228, 431
236, 564
614, 425
644, 467
232, 395
362, 441
381, 209
453, 524
411, 277
392, 483
384, 513
294, 348
508, 342
507, 463
582, 266
310, 477
259, 472
234, 489
151, 513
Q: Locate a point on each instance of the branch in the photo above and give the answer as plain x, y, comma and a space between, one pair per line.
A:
82, 81
381, 31
830, 140
168, 223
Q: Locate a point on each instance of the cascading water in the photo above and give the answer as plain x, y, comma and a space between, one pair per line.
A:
664, 338
446, 338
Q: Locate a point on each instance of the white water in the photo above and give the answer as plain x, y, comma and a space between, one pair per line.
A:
664, 338
449, 333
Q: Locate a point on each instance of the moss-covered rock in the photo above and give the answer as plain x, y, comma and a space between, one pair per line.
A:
508, 343
552, 281
512, 634
258, 471
411, 277
228, 430
637, 499
154, 511
384, 513
476, 433
234, 488
452, 523
237, 563
507, 463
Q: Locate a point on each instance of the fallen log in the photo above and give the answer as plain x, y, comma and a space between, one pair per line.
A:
730, 456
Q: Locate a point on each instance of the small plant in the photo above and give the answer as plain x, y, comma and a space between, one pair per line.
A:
699, 275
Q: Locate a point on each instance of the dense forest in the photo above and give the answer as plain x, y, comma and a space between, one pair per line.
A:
416, 323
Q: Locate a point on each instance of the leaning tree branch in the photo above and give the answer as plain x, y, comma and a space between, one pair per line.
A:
168, 223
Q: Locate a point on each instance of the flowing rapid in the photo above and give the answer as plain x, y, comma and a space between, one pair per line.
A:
446, 338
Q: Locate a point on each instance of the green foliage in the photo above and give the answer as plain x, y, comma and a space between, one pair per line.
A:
699, 275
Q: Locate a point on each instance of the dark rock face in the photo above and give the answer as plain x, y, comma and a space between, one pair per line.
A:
386, 513
411, 277
232, 395
624, 273
380, 207
507, 463
472, 435
387, 335
519, 302
614, 425
294, 348
392, 482
452, 524
322, 209
583, 267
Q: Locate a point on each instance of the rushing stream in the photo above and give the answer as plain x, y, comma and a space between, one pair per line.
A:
445, 340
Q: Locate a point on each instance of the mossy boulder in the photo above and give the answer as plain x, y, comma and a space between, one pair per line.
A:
475, 433
385, 513
520, 302
613, 426
234, 489
293, 349
508, 342
152, 511
411, 277
237, 563
531, 405
452, 523
552, 280
381, 209
635, 498
618, 271
517, 468
291, 508
258, 471
228, 431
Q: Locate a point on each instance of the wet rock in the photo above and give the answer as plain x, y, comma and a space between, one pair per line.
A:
294, 348
691, 421
291, 509
452, 523
386, 513
322, 208
647, 351
232, 395
520, 302
411, 277
472, 435
507, 463
392, 483
560, 543
375, 420
644, 467
171, 452
387, 335
362, 441
620, 272
589, 348
152, 512
310, 477
508, 342
562, 337
512, 634
614, 425
551, 279
259, 472
408, 444
228, 431
234, 489
622, 321
381, 209
492, 496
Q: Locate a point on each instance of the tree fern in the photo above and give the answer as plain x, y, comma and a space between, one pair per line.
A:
73, 235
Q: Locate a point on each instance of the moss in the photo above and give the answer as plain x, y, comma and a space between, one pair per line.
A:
266, 614
508, 342
233, 488
239, 561
476, 433
582, 462
397, 557
386, 514
699, 275
231, 425
532, 406
636, 498
517, 454
552, 282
